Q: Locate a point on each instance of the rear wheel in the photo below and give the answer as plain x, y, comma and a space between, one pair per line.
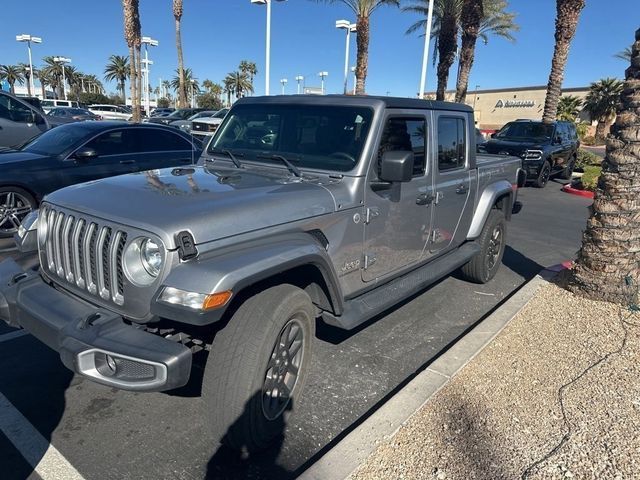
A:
257, 367
567, 173
15, 204
492, 240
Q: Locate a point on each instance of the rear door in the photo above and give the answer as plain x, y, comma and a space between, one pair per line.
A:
452, 177
398, 221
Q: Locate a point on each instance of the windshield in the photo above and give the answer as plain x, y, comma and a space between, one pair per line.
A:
532, 130
201, 115
222, 113
56, 140
318, 137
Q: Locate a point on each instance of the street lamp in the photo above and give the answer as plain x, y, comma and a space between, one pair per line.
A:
425, 54
147, 41
283, 82
353, 70
299, 80
349, 27
29, 38
63, 60
322, 76
268, 42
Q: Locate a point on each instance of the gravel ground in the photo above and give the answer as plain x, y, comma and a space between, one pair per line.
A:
502, 416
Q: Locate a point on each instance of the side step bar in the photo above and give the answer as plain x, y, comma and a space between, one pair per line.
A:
360, 309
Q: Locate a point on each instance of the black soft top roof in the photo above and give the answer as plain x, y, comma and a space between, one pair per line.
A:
360, 100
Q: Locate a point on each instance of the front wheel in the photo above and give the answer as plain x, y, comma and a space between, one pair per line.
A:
15, 204
484, 266
567, 173
543, 176
256, 370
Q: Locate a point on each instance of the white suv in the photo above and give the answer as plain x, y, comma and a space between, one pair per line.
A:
50, 104
111, 112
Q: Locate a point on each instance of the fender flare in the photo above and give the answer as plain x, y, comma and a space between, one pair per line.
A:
487, 200
240, 266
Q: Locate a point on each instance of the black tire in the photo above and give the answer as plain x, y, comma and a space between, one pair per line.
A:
237, 373
543, 176
567, 173
15, 204
483, 267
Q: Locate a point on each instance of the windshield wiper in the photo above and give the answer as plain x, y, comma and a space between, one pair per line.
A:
290, 166
228, 153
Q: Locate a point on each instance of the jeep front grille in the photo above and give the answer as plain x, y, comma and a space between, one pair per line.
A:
84, 253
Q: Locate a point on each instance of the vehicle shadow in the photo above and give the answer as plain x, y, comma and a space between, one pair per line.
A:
227, 463
520, 264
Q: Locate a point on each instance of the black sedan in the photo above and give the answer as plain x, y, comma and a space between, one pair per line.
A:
81, 152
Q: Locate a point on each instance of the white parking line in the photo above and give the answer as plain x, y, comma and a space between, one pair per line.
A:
11, 335
43, 457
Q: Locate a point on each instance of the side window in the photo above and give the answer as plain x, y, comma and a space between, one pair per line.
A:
11, 109
407, 134
157, 140
115, 142
452, 143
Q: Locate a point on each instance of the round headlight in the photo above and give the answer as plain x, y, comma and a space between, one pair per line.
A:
151, 256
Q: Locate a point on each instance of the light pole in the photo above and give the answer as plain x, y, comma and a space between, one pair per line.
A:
353, 70
154, 43
63, 61
283, 82
322, 76
349, 27
475, 95
29, 38
268, 42
193, 82
425, 55
299, 80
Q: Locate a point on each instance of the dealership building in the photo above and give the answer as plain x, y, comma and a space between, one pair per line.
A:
495, 107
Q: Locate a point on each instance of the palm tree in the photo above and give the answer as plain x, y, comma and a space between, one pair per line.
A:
117, 70
228, 88
601, 103
608, 264
42, 75
569, 108
249, 68
216, 89
362, 9
624, 54
189, 80
182, 91
567, 15
239, 83
12, 74
52, 70
470, 17
132, 36
207, 84
495, 21
26, 70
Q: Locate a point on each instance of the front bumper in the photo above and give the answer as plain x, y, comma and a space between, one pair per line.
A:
91, 341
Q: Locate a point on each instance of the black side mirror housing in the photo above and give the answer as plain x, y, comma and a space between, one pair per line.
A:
557, 140
85, 153
493, 135
397, 166
38, 119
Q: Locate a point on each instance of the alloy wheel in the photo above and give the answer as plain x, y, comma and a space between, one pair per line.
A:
13, 208
495, 247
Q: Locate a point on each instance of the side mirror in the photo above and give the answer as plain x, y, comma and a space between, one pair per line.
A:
85, 153
38, 119
493, 135
557, 140
397, 166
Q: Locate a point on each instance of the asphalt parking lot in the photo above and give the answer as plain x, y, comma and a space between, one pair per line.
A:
100, 432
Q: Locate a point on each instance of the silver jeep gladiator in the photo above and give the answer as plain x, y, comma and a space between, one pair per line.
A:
301, 208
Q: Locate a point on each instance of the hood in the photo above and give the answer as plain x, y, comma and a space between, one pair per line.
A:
511, 147
210, 203
13, 156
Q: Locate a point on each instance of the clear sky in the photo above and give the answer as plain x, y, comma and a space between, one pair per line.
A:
217, 34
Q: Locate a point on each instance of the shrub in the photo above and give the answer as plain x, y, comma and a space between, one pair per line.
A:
163, 102
587, 159
589, 140
93, 98
582, 129
589, 179
209, 101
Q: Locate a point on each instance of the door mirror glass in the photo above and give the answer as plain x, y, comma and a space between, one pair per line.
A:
396, 166
85, 153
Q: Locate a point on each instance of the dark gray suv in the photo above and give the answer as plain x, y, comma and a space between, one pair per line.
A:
545, 149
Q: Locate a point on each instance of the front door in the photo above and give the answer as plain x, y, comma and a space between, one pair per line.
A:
398, 218
452, 177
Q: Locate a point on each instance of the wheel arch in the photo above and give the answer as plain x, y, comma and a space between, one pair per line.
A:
497, 195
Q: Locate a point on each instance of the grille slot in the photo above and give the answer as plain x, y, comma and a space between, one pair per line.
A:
85, 254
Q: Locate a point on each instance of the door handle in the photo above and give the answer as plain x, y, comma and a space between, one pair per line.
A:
424, 199
127, 162
462, 189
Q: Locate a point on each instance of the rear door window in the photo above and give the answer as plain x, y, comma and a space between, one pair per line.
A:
158, 140
114, 142
452, 143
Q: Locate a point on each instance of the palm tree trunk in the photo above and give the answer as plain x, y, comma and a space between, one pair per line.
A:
601, 129
29, 84
568, 12
447, 44
139, 87
132, 77
44, 91
608, 264
182, 97
12, 88
472, 13
362, 38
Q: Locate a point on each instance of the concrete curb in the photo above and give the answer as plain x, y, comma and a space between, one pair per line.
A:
356, 447
574, 191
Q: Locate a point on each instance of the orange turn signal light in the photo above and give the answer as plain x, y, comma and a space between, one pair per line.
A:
216, 300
